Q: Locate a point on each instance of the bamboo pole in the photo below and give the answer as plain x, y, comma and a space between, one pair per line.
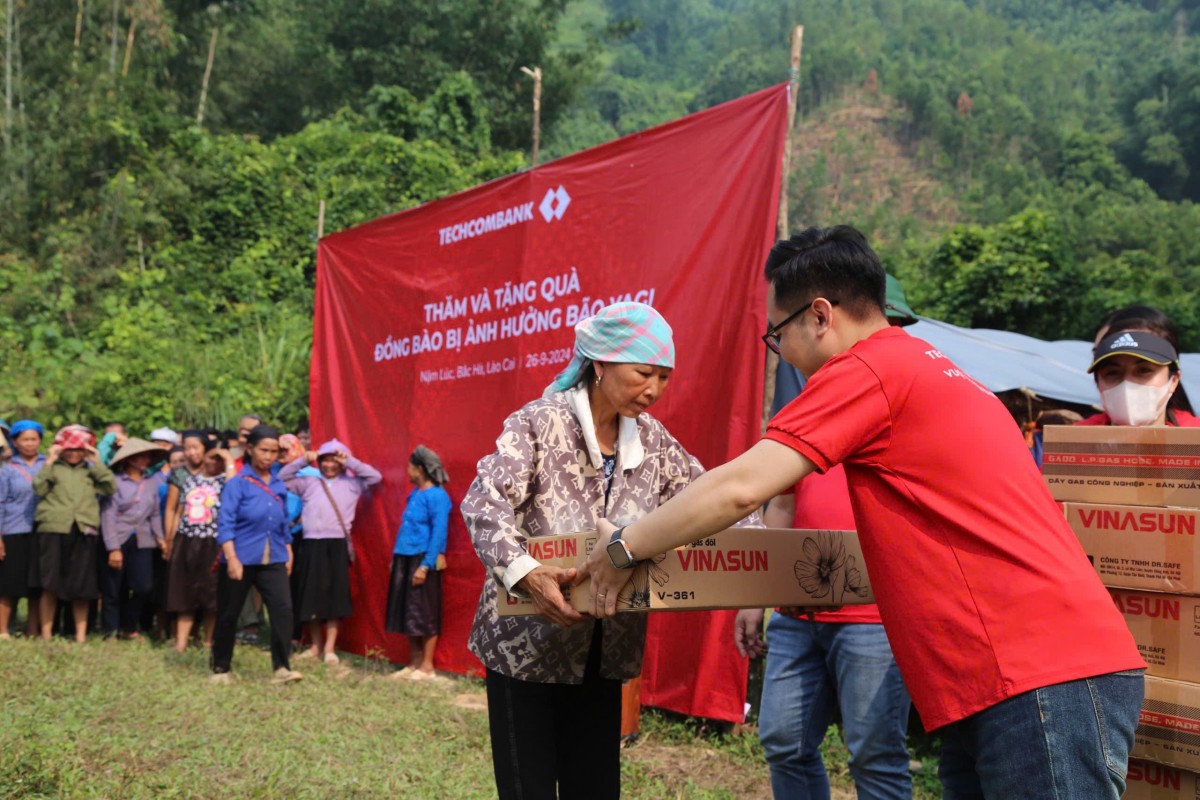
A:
129, 46
781, 225
536, 74
321, 220
212, 52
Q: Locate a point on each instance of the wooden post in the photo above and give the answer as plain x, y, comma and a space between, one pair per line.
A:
321, 220
781, 225
536, 74
78, 36
212, 52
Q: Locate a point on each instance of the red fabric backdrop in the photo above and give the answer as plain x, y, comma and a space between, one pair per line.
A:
435, 323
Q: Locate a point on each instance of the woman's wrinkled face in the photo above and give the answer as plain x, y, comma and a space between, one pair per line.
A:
73, 457
1115, 370
138, 463
330, 466
632, 388
28, 443
264, 454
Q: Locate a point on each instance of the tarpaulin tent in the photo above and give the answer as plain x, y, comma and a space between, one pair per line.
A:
1004, 361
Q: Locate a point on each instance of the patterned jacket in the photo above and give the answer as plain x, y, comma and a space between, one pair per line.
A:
545, 478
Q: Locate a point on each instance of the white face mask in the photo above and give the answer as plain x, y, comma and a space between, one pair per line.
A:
1135, 404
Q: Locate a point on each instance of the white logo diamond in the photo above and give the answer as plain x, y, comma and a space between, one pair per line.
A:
1124, 341
554, 204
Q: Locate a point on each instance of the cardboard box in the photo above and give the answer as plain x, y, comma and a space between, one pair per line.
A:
1166, 628
1169, 728
1130, 466
1150, 781
1136, 547
737, 568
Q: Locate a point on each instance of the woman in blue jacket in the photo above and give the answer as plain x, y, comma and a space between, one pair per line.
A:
256, 548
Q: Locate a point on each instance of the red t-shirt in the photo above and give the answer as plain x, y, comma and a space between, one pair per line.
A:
1182, 419
984, 591
823, 503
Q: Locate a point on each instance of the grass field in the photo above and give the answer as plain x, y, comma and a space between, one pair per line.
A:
133, 720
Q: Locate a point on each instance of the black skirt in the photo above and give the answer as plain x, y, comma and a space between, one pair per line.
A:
66, 564
323, 566
414, 610
191, 579
14, 569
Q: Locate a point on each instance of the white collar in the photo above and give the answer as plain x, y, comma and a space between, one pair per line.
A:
629, 443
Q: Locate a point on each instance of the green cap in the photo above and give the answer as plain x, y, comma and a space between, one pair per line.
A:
896, 306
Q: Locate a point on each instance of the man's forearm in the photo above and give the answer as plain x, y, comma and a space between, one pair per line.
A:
718, 499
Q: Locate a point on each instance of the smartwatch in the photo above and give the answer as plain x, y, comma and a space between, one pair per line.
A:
618, 551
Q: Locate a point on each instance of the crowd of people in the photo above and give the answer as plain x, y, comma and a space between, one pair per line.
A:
184, 535
989, 619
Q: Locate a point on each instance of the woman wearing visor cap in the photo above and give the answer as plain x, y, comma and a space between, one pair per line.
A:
1136, 366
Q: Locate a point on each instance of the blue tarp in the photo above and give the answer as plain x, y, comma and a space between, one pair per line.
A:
1005, 361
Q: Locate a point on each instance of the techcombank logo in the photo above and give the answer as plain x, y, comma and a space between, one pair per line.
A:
553, 206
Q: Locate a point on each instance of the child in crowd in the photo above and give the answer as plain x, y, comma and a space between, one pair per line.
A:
193, 502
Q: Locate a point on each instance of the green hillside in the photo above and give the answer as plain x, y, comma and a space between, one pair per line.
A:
1021, 165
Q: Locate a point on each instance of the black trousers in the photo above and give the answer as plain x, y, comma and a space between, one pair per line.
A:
271, 580
124, 591
556, 741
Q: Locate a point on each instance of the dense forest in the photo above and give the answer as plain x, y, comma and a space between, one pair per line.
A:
1021, 165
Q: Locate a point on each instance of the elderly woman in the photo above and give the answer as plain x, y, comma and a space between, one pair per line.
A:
18, 502
132, 527
70, 485
414, 605
330, 500
256, 547
583, 452
1136, 366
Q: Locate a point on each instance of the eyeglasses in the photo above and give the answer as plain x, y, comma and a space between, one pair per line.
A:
771, 337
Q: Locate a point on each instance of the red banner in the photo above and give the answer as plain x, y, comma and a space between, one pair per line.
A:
433, 324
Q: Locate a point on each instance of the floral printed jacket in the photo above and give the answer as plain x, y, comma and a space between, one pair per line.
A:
546, 477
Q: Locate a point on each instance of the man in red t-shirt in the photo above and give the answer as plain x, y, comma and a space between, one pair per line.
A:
1007, 641
819, 662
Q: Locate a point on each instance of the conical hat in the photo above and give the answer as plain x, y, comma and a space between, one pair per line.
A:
135, 446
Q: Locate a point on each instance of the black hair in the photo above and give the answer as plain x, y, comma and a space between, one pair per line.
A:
193, 433
254, 417
175, 448
260, 432
835, 263
227, 436
302, 425
1139, 318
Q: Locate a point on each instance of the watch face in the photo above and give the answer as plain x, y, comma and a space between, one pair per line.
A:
619, 555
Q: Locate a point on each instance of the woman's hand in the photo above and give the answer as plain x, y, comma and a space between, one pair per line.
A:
165, 546
1, 548
747, 633
607, 580
543, 585
116, 559
419, 576
53, 454
233, 568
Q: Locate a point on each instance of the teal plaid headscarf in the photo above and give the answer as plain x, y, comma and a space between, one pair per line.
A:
622, 333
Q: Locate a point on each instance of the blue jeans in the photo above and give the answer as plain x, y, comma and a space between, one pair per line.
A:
811, 666
1068, 741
